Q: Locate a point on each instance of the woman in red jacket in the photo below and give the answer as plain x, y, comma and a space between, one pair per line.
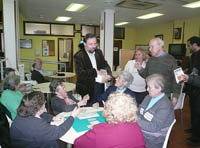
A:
121, 129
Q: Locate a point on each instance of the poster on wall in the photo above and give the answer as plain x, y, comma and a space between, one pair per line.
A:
45, 48
177, 33
26, 43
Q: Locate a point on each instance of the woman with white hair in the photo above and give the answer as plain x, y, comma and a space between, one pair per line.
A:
121, 129
156, 112
123, 80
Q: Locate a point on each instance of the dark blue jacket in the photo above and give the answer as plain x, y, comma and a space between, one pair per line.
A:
33, 132
111, 89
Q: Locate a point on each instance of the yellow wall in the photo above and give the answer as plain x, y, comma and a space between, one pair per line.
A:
133, 36
37, 44
190, 27
130, 39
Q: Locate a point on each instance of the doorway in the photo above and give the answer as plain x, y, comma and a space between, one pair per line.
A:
116, 49
65, 53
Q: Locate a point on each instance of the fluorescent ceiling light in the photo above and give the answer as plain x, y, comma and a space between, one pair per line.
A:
63, 18
193, 5
121, 23
150, 15
75, 7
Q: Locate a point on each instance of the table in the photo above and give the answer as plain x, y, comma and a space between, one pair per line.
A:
44, 87
66, 75
71, 135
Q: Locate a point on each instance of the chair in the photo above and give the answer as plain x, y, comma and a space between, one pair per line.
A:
168, 133
5, 115
179, 105
28, 76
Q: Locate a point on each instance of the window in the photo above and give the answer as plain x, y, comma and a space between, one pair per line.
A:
34, 28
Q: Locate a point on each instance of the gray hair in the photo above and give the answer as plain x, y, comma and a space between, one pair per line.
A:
37, 60
160, 42
157, 80
127, 77
11, 82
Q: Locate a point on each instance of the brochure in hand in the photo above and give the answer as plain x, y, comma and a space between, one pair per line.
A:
178, 72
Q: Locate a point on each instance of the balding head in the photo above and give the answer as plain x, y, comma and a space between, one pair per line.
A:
156, 47
38, 63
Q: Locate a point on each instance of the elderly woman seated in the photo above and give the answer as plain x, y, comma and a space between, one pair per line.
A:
123, 80
11, 97
156, 113
31, 128
121, 129
63, 101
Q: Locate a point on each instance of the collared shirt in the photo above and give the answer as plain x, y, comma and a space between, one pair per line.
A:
154, 100
92, 59
163, 54
94, 64
121, 90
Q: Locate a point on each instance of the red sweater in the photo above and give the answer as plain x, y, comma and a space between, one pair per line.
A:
104, 135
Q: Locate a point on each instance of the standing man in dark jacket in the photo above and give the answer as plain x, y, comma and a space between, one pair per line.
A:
92, 69
193, 90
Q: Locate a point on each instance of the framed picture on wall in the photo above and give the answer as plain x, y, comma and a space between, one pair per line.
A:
142, 46
177, 33
26, 43
159, 36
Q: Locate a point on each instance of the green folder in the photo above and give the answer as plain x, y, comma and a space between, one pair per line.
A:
81, 125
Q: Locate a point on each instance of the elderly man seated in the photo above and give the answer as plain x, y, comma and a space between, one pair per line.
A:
38, 74
156, 112
122, 83
63, 101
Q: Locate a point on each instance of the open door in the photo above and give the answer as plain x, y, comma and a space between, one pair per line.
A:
65, 53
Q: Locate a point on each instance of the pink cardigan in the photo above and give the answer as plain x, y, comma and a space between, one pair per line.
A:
104, 135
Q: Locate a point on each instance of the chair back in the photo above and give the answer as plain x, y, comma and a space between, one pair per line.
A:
6, 115
168, 133
28, 76
180, 102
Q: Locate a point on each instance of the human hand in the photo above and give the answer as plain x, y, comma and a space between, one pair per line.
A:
75, 112
183, 77
174, 101
83, 101
138, 65
105, 78
58, 118
86, 97
95, 105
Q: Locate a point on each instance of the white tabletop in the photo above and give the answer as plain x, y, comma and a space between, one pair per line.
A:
71, 135
66, 75
44, 87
